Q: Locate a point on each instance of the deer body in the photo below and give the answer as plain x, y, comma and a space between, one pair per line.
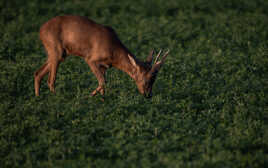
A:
98, 45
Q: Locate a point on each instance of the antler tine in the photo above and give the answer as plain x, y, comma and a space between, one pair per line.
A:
158, 55
165, 55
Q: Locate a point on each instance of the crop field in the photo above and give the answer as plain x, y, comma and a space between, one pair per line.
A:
210, 99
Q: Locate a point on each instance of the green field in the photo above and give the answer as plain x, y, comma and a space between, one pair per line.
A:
210, 100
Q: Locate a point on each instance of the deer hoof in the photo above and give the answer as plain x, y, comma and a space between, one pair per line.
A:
102, 91
93, 93
52, 90
99, 89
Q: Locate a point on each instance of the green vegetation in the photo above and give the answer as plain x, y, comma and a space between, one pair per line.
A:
210, 100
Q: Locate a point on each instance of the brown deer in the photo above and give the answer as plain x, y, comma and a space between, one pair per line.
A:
99, 46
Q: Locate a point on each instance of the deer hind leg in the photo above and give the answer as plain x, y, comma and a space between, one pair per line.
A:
38, 75
99, 72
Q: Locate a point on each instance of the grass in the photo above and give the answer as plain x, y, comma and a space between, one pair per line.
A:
209, 105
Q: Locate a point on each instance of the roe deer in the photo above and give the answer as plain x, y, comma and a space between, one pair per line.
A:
99, 46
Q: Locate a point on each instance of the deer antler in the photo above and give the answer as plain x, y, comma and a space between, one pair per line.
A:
156, 59
163, 58
157, 65
150, 57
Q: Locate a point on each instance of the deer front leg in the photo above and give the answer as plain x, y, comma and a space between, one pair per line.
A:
99, 72
38, 75
52, 76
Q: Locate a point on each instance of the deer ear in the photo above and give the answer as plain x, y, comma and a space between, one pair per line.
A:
132, 60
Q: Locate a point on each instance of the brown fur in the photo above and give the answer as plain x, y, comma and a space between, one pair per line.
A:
98, 45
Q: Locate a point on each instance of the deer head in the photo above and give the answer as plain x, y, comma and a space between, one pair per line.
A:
146, 72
